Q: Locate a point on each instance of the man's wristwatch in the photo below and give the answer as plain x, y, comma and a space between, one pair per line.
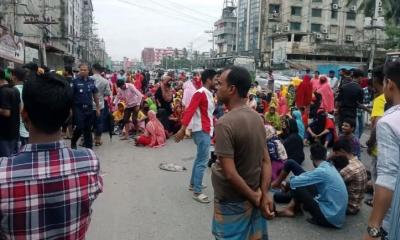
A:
374, 232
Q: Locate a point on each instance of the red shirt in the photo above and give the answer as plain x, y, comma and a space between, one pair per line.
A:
364, 83
200, 112
197, 82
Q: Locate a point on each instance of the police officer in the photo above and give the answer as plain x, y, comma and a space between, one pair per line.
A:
85, 92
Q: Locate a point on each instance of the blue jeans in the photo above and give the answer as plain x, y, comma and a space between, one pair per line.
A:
359, 125
203, 142
291, 166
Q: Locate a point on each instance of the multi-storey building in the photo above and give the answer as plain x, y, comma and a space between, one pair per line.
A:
148, 56
160, 53
248, 35
225, 30
313, 30
284, 31
62, 27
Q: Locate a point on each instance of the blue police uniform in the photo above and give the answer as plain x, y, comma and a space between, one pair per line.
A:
84, 116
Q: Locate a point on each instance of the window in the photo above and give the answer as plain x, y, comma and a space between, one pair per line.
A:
274, 8
316, 12
316, 27
351, 16
296, 11
295, 26
334, 14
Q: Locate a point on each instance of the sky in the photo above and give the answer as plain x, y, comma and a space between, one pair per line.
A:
128, 26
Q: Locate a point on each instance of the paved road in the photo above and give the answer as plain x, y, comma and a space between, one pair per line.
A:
140, 202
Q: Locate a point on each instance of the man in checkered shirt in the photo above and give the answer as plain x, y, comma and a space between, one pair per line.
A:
47, 190
354, 176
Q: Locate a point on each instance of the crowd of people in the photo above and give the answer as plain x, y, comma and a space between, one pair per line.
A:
259, 134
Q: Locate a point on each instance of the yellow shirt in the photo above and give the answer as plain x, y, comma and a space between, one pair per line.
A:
118, 116
141, 116
378, 109
378, 106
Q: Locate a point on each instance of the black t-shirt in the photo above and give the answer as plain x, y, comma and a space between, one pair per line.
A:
350, 95
164, 104
9, 100
294, 147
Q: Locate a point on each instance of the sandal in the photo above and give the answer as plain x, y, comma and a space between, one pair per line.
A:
201, 198
369, 202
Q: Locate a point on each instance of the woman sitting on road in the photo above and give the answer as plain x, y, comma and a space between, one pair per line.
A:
322, 130
294, 143
154, 135
273, 118
276, 151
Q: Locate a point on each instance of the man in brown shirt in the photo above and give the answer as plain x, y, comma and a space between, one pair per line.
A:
241, 176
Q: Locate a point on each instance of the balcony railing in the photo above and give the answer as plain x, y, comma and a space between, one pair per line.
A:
225, 30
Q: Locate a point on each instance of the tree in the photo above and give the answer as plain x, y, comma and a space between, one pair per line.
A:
176, 53
391, 9
393, 34
391, 12
185, 53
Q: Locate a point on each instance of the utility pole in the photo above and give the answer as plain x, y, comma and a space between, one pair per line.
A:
34, 20
212, 40
15, 16
378, 3
263, 30
42, 42
73, 27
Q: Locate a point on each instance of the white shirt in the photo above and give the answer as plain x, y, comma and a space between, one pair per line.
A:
388, 164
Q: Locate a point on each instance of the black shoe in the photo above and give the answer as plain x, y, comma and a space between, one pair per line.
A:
210, 162
312, 221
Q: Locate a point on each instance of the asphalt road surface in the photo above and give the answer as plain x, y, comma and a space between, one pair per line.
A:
141, 202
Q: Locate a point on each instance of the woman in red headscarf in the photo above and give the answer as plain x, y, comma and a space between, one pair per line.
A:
304, 92
138, 81
154, 135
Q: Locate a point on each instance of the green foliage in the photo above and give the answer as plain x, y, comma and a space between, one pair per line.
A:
391, 9
391, 12
393, 33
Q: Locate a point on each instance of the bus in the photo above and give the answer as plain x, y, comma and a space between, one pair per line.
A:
392, 56
223, 62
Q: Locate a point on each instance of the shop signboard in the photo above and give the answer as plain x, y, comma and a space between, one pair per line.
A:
11, 47
31, 55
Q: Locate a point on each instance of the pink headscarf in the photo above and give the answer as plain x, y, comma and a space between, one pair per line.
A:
155, 130
283, 108
188, 91
328, 99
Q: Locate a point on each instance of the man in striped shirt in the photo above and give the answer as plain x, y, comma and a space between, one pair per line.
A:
200, 114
